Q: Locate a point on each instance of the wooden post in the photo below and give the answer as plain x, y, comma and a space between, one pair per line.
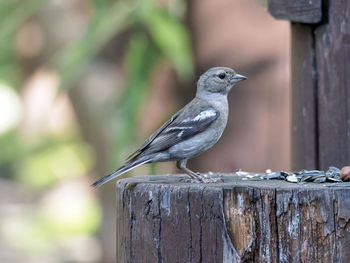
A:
320, 80
161, 219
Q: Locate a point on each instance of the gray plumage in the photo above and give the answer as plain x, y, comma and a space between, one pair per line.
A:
192, 130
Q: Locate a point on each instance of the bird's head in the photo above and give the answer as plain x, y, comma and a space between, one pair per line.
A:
218, 80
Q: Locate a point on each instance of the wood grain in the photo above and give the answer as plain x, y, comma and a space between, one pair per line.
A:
333, 69
320, 63
304, 144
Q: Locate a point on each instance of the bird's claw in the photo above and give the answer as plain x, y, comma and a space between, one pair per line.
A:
206, 179
188, 180
212, 180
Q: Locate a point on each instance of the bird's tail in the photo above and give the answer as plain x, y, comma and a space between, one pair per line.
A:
126, 167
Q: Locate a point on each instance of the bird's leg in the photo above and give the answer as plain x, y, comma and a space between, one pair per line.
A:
196, 176
182, 165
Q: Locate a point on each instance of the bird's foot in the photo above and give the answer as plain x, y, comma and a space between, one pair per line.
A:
208, 179
189, 181
205, 179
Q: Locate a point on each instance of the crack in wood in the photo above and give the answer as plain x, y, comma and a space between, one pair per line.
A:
132, 221
190, 224
159, 240
200, 225
275, 221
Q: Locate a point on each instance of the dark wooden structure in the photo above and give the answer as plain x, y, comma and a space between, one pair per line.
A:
320, 85
163, 220
298, 11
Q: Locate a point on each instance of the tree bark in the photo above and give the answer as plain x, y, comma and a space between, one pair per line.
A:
163, 219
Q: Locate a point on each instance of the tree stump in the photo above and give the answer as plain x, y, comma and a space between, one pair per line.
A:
164, 219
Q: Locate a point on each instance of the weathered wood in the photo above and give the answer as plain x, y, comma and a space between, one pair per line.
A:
304, 98
161, 219
333, 70
320, 89
299, 11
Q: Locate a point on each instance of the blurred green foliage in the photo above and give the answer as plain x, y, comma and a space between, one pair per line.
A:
140, 57
168, 34
44, 163
57, 162
107, 21
12, 14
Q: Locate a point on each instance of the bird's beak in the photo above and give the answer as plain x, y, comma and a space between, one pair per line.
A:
237, 78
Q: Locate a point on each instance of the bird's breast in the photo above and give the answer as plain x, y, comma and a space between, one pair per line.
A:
204, 140
200, 142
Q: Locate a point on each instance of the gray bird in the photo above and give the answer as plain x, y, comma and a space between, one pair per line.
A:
192, 130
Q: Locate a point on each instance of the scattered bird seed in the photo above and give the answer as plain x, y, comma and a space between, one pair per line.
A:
332, 175
292, 178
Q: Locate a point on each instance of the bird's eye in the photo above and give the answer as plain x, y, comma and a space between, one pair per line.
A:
222, 75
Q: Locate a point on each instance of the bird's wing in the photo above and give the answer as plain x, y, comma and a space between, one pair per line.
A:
185, 125
153, 136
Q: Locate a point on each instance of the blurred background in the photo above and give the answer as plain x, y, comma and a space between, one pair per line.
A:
84, 83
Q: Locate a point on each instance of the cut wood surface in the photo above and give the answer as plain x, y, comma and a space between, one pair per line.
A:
166, 219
